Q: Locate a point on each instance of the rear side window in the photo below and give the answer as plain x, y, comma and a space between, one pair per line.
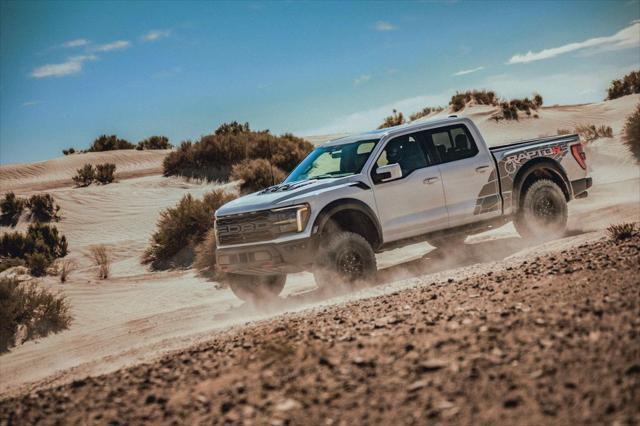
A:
453, 143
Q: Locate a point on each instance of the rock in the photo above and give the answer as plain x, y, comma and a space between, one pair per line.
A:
287, 405
417, 385
432, 365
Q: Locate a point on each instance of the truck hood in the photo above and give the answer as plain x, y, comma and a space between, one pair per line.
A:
283, 195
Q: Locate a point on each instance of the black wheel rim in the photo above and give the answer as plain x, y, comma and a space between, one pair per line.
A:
350, 265
546, 209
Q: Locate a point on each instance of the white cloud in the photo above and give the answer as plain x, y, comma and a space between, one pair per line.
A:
626, 38
116, 45
30, 103
79, 42
154, 35
73, 65
362, 79
465, 72
384, 26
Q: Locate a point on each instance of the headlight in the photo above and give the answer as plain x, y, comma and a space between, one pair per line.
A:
291, 219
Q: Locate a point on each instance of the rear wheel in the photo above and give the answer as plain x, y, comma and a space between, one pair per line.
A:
256, 288
344, 259
543, 213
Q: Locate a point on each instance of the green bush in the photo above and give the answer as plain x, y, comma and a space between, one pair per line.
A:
632, 133
256, 175
38, 310
39, 247
43, 208
480, 97
213, 156
109, 143
69, 151
181, 228
627, 85
154, 142
394, 119
105, 173
11, 208
85, 175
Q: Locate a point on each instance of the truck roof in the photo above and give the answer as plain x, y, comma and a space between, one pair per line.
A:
379, 133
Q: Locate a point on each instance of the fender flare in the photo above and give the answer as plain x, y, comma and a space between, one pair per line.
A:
342, 204
534, 165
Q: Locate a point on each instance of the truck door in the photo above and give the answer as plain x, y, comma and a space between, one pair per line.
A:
412, 204
468, 174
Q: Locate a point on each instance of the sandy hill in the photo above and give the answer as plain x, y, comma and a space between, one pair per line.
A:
138, 313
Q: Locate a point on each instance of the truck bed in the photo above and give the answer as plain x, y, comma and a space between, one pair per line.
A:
535, 141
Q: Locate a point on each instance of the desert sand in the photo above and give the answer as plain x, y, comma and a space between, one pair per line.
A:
138, 315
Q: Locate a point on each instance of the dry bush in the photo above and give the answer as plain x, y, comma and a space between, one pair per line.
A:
563, 132
65, 267
101, 258
394, 119
105, 173
39, 247
205, 260
37, 310
69, 151
11, 208
213, 156
424, 112
622, 231
480, 97
43, 208
109, 143
632, 133
85, 175
182, 228
589, 132
154, 142
256, 175
627, 85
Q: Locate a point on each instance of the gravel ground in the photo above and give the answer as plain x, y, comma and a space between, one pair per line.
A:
553, 341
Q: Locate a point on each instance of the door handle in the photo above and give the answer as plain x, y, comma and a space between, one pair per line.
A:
429, 180
481, 169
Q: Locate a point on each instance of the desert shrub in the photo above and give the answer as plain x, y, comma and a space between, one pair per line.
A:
69, 151
36, 309
109, 143
104, 173
205, 256
509, 110
563, 132
589, 132
256, 175
64, 268
43, 208
537, 100
85, 175
632, 133
181, 228
394, 119
39, 247
622, 231
627, 85
101, 258
11, 208
10, 262
154, 142
480, 97
213, 156
424, 112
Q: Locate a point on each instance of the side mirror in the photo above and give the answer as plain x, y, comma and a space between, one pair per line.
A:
389, 172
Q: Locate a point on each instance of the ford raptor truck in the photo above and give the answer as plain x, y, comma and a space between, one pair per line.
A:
436, 181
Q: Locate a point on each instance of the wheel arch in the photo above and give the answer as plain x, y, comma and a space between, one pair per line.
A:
540, 168
351, 215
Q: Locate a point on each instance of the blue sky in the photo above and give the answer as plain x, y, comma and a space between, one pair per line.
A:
72, 71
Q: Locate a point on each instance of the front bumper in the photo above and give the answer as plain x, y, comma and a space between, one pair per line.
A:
267, 259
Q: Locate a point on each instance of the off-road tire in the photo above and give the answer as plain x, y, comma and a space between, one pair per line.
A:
256, 289
345, 259
543, 212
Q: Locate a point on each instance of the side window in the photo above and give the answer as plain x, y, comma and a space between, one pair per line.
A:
406, 151
453, 143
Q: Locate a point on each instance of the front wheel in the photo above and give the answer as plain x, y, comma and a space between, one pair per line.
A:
543, 213
344, 259
256, 288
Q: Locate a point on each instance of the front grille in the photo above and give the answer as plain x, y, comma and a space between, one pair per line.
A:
245, 228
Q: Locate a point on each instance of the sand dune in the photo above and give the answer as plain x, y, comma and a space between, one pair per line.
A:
138, 314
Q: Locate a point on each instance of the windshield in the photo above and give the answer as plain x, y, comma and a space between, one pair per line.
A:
333, 161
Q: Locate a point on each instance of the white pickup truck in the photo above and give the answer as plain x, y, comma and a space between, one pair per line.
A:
435, 181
